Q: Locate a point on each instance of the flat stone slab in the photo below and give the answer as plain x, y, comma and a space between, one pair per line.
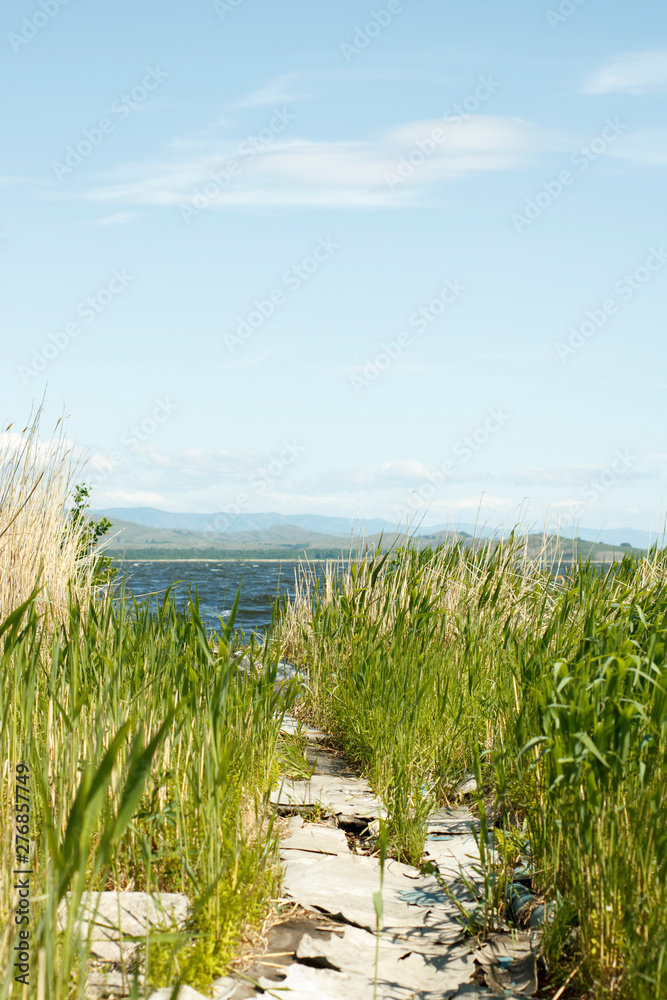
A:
106, 981
354, 952
291, 727
337, 795
454, 857
452, 822
109, 917
323, 761
224, 987
185, 993
343, 886
344, 967
314, 838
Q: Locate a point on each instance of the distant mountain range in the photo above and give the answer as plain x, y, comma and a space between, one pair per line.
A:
149, 528
225, 524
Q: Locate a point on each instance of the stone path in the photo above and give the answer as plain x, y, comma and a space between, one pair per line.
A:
330, 949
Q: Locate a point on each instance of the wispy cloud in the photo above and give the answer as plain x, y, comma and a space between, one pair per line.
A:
150, 469
344, 173
634, 73
282, 90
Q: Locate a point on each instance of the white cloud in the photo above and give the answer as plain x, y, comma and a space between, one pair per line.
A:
634, 73
279, 91
344, 173
141, 466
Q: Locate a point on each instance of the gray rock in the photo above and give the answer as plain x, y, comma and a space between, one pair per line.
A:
314, 838
291, 727
184, 993
467, 786
343, 886
345, 968
337, 795
244, 664
286, 671
451, 822
454, 858
110, 917
354, 953
223, 988
104, 982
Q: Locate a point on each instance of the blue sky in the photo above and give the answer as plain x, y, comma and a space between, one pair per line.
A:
342, 258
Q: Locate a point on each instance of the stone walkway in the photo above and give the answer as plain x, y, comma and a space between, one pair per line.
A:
329, 948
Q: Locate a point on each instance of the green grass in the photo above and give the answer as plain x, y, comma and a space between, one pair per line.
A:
151, 759
427, 666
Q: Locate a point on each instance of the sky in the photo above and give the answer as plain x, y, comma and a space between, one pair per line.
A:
396, 260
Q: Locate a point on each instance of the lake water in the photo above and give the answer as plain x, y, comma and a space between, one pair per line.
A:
216, 582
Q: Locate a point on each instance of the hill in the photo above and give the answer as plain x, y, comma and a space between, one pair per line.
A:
130, 540
341, 527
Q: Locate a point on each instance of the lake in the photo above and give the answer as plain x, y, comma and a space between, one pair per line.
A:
216, 583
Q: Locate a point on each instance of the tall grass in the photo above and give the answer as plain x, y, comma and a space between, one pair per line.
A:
150, 755
430, 666
36, 482
151, 759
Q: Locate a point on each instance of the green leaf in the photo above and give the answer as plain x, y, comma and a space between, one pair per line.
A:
138, 766
588, 743
531, 743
